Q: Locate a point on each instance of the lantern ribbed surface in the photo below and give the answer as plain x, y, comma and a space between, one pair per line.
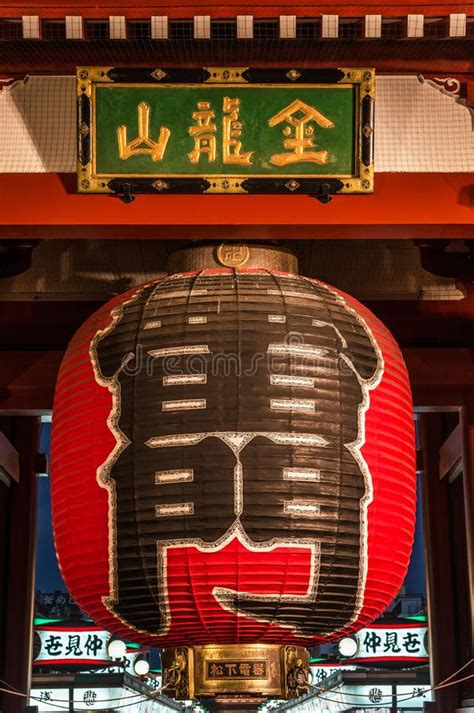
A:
233, 461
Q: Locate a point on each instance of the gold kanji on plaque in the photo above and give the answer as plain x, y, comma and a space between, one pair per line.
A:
232, 130
203, 133
300, 118
143, 144
245, 669
216, 670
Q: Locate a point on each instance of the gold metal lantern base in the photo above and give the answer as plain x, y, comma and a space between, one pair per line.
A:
238, 669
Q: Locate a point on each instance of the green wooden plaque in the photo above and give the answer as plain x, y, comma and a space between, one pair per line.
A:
225, 130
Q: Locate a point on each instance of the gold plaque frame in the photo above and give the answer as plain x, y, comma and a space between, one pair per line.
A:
321, 186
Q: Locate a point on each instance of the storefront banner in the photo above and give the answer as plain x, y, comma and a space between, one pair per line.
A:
413, 696
49, 699
401, 643
368, 695
407, 697
320, 671
69, 646
92, 698
86, 699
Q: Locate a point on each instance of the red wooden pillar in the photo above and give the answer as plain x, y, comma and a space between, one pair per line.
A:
21, 566
439, 565
467, 422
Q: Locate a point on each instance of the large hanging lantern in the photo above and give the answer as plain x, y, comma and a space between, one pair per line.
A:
233, 458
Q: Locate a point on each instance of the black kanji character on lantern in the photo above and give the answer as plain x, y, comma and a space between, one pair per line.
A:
93, 645
73, 645
199, 455
372, 641
53, 645
411, 642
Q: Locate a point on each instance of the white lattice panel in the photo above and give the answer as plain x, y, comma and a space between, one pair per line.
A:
417, 128
38, 126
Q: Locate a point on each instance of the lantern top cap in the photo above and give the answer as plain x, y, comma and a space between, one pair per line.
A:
208, 256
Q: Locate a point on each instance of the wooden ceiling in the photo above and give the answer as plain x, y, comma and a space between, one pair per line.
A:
425, 294
41, 309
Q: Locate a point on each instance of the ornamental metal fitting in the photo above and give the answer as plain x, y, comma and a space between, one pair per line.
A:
160, 185
233, 254
158, 74
293, 74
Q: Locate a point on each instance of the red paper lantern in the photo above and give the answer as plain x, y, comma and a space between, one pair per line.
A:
233, 461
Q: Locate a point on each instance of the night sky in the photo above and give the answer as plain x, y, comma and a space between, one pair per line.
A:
48, 577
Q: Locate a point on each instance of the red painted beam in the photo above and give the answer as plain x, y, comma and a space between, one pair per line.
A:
265, 8
404, 205
217, 8
27, 380
436, 57
440, 367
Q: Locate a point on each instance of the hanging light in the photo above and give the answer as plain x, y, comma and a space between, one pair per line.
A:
141, 665
348, 646
116, 647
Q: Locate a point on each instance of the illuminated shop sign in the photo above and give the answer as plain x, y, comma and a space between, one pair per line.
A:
91, 698
50, 699
371, 697
100, 698
319, 672
74, 646
413, 696
391, 644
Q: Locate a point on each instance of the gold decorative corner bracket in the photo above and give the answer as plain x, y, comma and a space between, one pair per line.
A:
86, 75
87, 183
364, 76
364, 183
